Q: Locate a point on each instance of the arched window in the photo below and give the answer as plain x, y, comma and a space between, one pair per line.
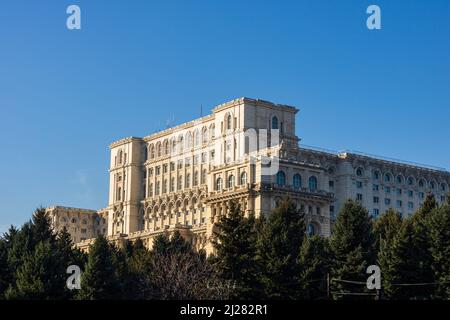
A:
204, 135
443, 187
187, 183
297, 181
387, 177
219, 184
243, 178
229, 122
421, 183
152, 152
359, 172
145, 154
281, 178
399, 179
166, 147
432, 185
158, 149
230, 182
196, 138
312, 183
203, 179
410, 181
311, 229
275, 123
120, 156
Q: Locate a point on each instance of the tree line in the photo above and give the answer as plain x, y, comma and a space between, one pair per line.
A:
270, 257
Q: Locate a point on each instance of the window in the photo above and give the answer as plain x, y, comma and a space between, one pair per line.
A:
387, 201
421, 195
230, 183
281, 178
359, 184
275, 123
195, 183
421, 183
387, 177
229, 121
359, 172
219, 184
410, 193
172, 184
297, 181
399, 203
432, 185
376, 199
387, 189
443, 187
180, 183
376, 174
331, 184
313, 183
410, 205
243, 178
359, 197
187, 183
399, 191
203, 178
399, 179
311, 230
375, 187
376, 212
83, 231
410, 181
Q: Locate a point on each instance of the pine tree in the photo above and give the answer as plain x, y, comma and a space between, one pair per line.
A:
234, 242
387, 228
315, 264
352, 245
42, 228
279, 243
100, 277
421, 248
400, 265
438, 230
161, 243
41, 275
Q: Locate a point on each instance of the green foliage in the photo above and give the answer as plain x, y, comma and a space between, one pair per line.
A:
353, 246
279, 243
387, 229
234, 241
100, 279
438, 230
315, 262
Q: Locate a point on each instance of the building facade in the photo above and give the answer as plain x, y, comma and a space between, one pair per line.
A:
246, 150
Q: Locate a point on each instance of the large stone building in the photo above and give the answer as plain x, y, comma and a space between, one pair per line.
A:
183, 178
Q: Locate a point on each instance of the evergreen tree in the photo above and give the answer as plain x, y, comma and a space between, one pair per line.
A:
177, 244
315, 264
352, 245
438, 227
279, 243
234, 241
161, 243
421, 248
400, 265
100, 277
42, 228
41, 276
387, 228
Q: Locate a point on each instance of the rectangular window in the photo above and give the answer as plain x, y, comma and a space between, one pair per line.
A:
399, 191
331, 184
421, 195
158, 170
399, 203
410, 193
359, 197
376, 212
376, 200
410, 205
359, 184
387, 201
375, 187
387, 189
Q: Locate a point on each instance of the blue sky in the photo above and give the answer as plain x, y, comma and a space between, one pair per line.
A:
137, 65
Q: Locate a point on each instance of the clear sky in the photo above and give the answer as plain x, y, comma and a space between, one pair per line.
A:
136, 66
